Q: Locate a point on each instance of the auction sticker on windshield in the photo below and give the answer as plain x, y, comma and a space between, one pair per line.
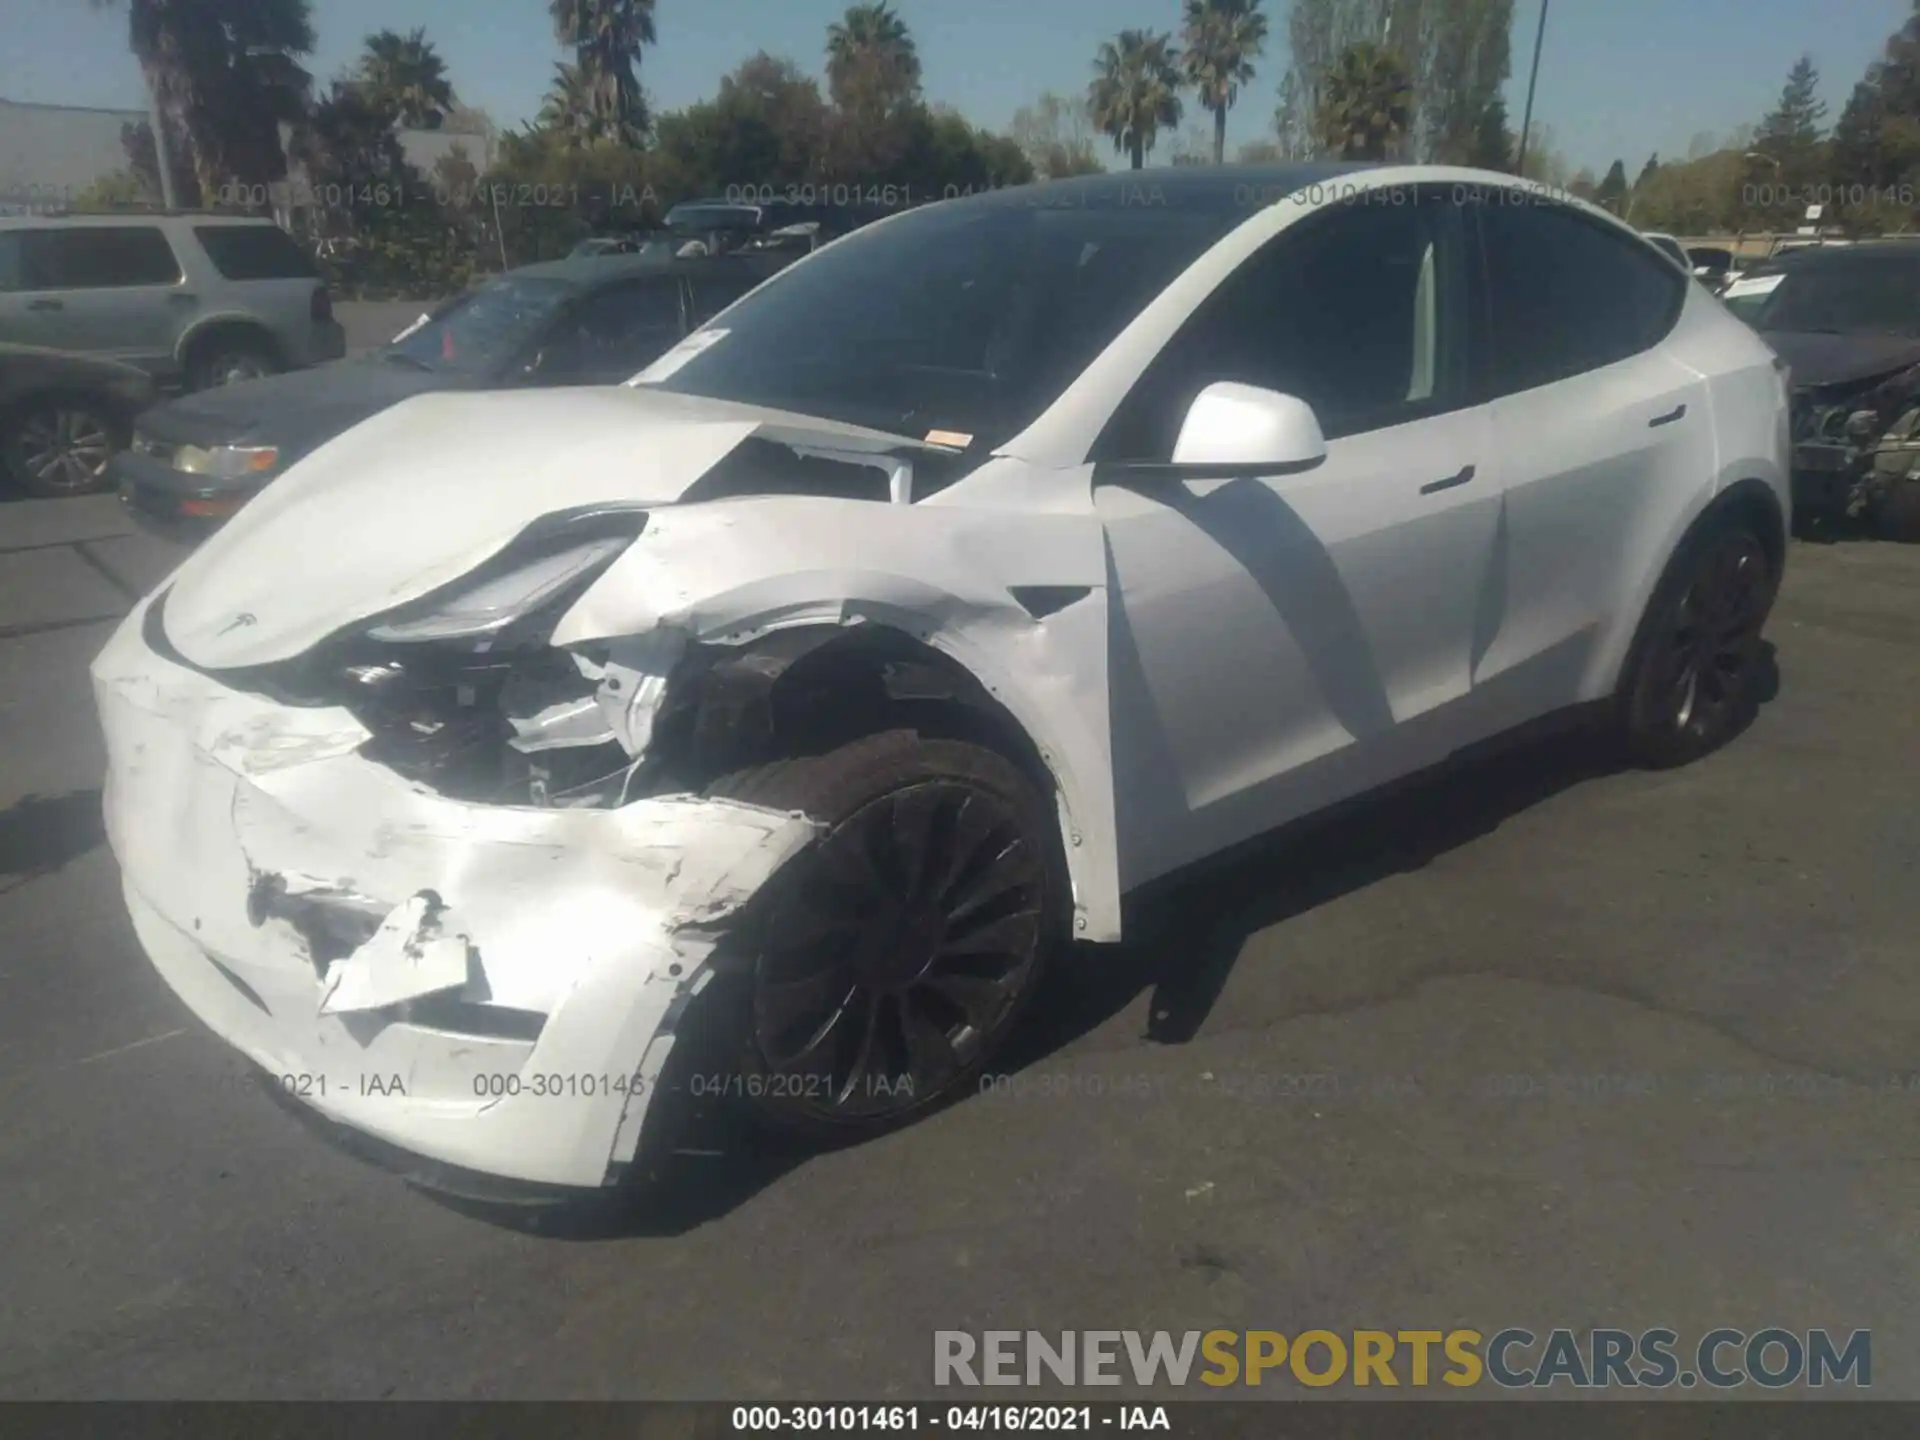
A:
695, 344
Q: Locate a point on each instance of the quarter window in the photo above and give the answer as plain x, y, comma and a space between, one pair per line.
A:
1354, 311
1565, 294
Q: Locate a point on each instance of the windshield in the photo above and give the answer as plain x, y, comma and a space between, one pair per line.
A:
1880, 297
968, 318
484, 329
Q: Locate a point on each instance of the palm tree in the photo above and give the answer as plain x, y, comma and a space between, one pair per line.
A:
1366, 104
1137, 90
870, 42
225, 76
405, 74
606, 37
567, 110
1221, 41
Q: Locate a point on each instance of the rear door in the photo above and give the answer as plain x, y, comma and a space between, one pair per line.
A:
113, 290
1601, 426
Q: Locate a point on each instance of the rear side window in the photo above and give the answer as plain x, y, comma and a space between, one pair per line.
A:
254, 252
1566, 295
11, 276
97, 257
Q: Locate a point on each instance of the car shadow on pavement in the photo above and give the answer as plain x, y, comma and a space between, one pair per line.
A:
40, 833
700, 1160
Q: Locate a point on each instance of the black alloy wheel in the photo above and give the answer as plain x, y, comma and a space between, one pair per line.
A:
898, 950
1694, 687
887, 971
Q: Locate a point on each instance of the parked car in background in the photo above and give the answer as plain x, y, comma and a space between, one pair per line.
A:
197, 300
598, 320
1671, 248
63, 416
1163, 526
1846, 320
1712, 266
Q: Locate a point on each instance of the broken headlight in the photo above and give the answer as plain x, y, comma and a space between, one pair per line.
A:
485, 605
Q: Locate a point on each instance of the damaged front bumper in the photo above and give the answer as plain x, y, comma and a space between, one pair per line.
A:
494, 987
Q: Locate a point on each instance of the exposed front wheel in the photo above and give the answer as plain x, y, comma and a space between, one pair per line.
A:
893, 956
1693, 682
229, 360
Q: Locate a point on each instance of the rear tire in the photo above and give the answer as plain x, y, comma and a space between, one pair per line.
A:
890, 960
1692, 682
229, 358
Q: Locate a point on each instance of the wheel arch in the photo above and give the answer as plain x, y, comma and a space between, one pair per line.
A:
1748, 498
207, 330
808, 687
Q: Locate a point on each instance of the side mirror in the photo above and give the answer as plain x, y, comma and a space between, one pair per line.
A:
1260, 431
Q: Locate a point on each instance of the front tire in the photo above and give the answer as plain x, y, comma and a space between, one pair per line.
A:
892, 958
1692, 684
57, 446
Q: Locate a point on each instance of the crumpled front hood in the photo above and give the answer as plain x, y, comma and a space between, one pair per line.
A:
423, 492
1821, 360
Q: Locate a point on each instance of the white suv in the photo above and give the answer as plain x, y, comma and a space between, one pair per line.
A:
975, 571
193, 299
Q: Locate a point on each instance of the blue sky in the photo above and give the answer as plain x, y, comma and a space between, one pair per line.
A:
1617, 77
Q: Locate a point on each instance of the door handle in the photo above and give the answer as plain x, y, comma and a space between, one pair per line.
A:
1667, 419
1433, 486
46, 305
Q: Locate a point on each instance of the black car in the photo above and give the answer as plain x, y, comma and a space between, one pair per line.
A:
1846, 319
579, 321
62, 416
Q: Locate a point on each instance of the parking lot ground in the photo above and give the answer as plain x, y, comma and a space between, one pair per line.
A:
1537, 1043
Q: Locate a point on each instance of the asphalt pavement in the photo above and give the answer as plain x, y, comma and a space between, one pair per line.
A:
1537, 1044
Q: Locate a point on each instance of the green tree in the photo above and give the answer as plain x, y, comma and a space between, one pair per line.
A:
225, 76
1366, 104
1876, 141
1493, 139
1056, 133
1787, 146
1458, 56
1220, 41
1611, 193
406, 74
1647, 171
768, 125
604, 98
1136, 91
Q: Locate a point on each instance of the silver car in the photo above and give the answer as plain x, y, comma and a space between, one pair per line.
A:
195, 300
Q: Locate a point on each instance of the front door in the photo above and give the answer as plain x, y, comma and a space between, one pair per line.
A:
1280, 644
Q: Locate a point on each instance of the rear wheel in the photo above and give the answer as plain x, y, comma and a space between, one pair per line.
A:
893, 957
1692, 684
56, 446
228, 359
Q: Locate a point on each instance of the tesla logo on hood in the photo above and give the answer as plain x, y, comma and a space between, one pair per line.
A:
244, 618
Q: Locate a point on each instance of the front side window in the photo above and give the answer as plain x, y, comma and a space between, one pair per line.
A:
98, 257
485, 329
12, 276
968, 318
1567, 294
1353, 311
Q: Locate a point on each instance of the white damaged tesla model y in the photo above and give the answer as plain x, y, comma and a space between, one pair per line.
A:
985, 565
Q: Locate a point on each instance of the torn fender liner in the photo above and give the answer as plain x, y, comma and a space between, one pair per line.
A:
413, 954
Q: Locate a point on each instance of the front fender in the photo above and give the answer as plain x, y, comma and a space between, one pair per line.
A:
1017, 599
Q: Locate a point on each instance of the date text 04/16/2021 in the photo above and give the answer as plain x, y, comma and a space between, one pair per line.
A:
922, 1419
